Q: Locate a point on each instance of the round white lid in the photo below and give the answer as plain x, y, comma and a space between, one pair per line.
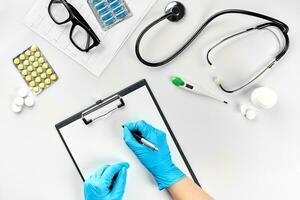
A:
264, 97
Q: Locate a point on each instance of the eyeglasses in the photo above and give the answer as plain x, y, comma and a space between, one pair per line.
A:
81, 35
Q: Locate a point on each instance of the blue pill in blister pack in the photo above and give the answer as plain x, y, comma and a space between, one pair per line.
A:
110, 21
118, 9
109, 12
100, 5
115, 3
121, 14
107, 16
103, 10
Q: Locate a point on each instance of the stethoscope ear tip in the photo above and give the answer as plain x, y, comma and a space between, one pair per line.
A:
217, 80
177, 9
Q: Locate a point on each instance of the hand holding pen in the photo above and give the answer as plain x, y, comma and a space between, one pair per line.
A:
139, 138
157, 161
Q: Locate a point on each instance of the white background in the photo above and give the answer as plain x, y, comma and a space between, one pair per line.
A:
233, 158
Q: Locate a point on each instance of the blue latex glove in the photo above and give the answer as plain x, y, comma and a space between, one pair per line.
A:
159, 163
97, 187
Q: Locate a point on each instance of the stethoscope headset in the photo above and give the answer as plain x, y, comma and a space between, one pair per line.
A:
175, 11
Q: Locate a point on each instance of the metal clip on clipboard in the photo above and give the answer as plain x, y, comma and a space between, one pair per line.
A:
98, 111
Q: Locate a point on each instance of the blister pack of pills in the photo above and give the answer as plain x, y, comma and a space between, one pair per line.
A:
35, 69
109, 12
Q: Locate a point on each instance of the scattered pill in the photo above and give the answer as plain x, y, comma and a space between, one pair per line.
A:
24, 72
29, 101
250, 114
19, 101
247, 112
20, 66
39, 70
26, 62
15, 108
28, 78
16, 61
22, 57
38, 79
34, 74
22, 92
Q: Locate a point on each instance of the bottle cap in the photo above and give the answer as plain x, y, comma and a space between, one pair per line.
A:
264, 97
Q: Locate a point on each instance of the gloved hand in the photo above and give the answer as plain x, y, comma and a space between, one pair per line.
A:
159, 163
98, 186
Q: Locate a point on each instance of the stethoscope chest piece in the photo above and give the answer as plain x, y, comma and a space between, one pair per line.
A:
177, 9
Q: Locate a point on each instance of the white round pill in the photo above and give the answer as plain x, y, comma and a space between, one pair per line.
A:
22, 92
250, 114
243, 109
19, 101
29, 101
16, 109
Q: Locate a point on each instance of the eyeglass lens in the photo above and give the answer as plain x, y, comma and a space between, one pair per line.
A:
81, 37
59, 11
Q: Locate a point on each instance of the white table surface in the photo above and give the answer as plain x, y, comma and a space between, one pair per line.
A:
233, 158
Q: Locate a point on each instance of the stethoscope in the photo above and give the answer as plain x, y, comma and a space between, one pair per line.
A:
175, 11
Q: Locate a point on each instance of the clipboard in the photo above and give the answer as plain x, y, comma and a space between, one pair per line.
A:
87, 118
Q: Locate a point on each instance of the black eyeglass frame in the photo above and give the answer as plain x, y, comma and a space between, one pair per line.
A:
77, 20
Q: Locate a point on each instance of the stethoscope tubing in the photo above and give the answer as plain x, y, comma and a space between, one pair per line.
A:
282, 26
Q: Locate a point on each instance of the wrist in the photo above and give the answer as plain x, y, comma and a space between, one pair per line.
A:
166, 175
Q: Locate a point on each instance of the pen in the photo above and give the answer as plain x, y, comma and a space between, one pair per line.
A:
191, 87
138, 136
